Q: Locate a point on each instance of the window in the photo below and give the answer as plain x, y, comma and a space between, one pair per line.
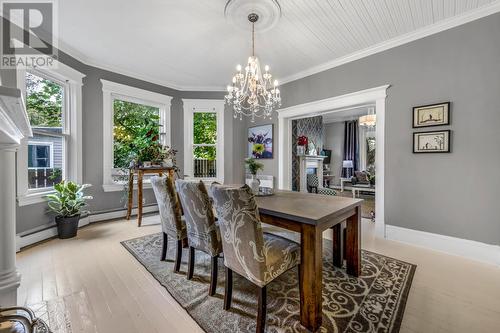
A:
39, 155
203, 139
135, 127
53, 103
46, 109
133, 120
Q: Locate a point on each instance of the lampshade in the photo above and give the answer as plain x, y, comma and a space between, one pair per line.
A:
347, 164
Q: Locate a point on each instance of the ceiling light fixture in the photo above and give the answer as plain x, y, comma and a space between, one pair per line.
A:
252, 93
369, 120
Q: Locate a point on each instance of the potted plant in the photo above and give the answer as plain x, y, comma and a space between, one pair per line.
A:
67, 203
254, 167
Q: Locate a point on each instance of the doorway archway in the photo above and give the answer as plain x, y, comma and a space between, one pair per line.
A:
376, 96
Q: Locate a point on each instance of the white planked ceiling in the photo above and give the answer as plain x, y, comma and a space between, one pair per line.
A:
189, 44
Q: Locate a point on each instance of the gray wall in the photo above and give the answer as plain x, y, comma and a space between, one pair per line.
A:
334, 140
33, 217
452, 194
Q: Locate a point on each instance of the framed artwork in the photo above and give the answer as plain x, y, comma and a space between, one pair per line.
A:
432, 142
260, 141
431, 115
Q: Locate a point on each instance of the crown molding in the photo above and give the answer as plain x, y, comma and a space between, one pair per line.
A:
423, 32
399, 40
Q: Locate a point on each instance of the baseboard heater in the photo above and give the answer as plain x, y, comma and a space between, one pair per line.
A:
50, 231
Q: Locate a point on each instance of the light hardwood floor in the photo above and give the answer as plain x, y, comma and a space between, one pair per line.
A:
102, 288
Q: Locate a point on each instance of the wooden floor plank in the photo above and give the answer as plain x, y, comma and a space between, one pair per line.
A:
104, 289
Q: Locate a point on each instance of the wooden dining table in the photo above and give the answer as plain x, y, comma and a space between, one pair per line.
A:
310, 215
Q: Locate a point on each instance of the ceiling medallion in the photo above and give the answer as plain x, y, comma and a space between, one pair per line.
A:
252, 93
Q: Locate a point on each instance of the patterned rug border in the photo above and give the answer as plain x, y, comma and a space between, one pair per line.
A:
397, 321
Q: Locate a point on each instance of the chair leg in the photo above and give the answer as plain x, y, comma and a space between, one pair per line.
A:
298, 274
190, 263
213, 277
228, 289
178, 256
261, 313
165, 246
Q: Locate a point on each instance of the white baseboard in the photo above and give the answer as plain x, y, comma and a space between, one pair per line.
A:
35, 237
478, 251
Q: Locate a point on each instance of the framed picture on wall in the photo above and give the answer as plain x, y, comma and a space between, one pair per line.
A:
260, 141
432, 142
431, 115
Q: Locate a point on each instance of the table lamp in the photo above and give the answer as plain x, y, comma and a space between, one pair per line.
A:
348, 165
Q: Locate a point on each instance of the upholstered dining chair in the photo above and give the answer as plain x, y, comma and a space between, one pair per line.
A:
202, 231
257, 256
172, 222
313, 185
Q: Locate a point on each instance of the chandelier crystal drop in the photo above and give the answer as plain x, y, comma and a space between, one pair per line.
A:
253, 93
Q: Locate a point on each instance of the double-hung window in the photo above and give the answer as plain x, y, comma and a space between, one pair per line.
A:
133, 120
204, 139
53, 103
46, 107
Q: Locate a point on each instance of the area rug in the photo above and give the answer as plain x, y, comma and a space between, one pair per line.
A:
374, 302
59, 312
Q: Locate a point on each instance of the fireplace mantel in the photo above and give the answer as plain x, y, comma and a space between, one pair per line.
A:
310, 162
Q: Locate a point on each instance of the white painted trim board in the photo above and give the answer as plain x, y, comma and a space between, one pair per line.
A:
477, 251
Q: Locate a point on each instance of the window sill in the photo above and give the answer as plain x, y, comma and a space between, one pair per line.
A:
33, 198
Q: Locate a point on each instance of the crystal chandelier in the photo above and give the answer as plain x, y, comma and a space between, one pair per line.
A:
369, 120
252, 93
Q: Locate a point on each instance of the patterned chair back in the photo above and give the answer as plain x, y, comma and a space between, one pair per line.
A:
242, 237
202, 231
169, 206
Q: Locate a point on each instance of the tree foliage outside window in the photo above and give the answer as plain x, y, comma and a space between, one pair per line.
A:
136, 132
44, 101
204, 133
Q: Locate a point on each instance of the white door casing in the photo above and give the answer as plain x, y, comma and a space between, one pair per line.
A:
375, 96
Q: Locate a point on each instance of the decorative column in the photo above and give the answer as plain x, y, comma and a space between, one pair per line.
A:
14, 126
9, 276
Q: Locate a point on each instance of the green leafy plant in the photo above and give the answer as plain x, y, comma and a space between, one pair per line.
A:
68, 199
136, 133
253, 165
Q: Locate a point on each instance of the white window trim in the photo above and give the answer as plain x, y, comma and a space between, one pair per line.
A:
203, 105
51, 149
110, 92
73, 80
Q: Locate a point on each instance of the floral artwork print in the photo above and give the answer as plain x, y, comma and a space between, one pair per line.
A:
260, 141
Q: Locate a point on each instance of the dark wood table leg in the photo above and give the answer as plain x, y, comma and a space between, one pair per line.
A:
140, 175
130, 193
353, 243
311, 269
337, 245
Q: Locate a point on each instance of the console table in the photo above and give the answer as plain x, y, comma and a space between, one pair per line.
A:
140, 171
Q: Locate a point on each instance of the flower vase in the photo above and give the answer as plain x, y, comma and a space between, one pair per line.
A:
254, 184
